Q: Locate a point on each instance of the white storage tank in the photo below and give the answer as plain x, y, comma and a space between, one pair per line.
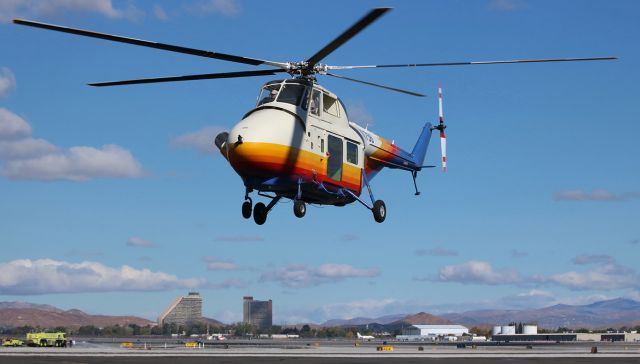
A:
496, 330
530, 329
508, 330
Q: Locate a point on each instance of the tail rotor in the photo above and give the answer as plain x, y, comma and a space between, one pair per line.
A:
441, 127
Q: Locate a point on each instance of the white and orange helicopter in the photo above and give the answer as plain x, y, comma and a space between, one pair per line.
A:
298, 142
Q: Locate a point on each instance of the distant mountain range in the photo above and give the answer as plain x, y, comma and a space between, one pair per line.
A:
610, 313
15, 314
616, 312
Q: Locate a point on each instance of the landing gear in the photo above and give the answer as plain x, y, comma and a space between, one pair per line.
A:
247, 204
379, 211
260, 213
246, 209
299, 208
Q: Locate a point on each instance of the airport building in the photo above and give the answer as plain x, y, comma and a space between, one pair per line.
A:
432, 332
530, 333
183, 311
257, 313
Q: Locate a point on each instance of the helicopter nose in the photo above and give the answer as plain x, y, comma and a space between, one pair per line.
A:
260, 144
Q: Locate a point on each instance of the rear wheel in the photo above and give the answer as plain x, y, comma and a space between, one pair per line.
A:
299, 208
260, 213
379, 211
246, 209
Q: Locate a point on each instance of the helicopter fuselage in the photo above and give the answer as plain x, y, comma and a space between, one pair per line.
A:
298, 143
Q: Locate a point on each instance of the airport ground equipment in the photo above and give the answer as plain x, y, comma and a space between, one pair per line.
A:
56, 339
298, 143
12, 342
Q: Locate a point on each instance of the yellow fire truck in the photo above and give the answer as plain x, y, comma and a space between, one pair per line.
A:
56, 339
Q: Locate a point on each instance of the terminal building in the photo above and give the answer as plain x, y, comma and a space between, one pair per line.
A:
183, 311
258, 314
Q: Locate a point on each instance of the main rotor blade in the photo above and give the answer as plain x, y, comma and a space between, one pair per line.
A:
377, 85
474, 63
208, 76
145, 43
347, 34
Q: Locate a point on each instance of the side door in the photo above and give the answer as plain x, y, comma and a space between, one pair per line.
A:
335, 150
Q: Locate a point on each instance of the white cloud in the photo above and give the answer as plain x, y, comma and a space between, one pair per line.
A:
12, 126
299, 276
597, 195
214, 263
224, 7
437, 252
76, 164
138, 242
46, 276
604, 277
7, 81
506, 5
10, 9
25, 158
359, 114
475, 272
159, 12
239, 238
593, 259
26, 148
201, 140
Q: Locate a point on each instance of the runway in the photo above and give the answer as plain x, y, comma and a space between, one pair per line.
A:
333, 353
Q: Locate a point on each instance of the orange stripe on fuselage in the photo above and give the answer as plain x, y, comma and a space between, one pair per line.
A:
266, 160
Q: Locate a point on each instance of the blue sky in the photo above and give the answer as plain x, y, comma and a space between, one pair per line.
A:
112, 203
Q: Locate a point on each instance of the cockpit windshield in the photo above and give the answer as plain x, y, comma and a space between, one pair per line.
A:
268, 93
291, 93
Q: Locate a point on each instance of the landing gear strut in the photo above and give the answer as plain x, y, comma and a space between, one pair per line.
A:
378, 209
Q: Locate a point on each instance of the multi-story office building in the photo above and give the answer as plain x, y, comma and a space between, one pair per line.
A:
257, 313
183, 311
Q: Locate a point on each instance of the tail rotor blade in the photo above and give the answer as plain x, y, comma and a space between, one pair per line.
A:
441, 127
443, 150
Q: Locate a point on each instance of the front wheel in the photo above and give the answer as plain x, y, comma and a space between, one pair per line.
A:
260, 213
246, 209
299, 208
379, 211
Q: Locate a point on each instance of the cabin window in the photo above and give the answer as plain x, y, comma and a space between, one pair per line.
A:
330, 105
321, 145
352, 153
291, 94
268, 93
314, 108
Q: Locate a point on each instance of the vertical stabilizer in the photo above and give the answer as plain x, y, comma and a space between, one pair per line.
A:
420, 149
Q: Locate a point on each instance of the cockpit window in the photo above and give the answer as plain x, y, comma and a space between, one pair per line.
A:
291, 94
268, 93
330, 105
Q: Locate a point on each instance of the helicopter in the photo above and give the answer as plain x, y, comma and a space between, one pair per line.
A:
298, 142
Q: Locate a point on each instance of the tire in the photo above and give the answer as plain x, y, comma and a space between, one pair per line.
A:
246, 209
260, 213
379, 211
299, 208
